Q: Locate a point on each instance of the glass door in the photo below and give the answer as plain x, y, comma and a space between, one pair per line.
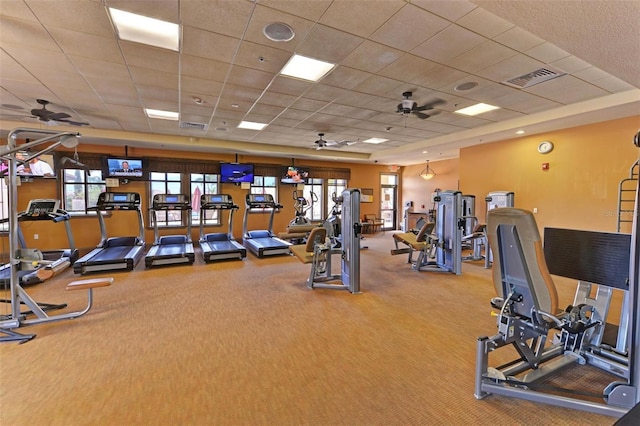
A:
389, 200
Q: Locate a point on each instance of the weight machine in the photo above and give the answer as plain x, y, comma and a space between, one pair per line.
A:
528, 312
18, 295
442, 250
321, 275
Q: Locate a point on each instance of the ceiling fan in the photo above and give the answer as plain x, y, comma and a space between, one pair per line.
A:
408, 106
43, 114
325, 143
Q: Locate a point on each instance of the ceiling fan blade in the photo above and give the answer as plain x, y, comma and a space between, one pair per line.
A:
73, 123
423, 107
421, 115
58, 116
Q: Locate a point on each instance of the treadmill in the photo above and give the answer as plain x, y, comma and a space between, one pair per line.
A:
115, 253
170, 249
219, 246
263, 242
47, 262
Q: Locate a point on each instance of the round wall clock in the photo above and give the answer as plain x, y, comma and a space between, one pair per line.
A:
545, 147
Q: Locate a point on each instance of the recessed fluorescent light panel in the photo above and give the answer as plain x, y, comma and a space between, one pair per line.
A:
251, 125
162, 115
476, 109
141, 29
375, 140
306, 68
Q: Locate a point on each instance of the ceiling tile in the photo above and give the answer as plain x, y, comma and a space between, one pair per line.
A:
142, 56
328, 44
484, 23
449, 43
206, 69
451, 10
26, 33
518, 39
407, 67
481, 57
220, 16
345, 77
371, 15
209, 45
546, 52
248, 77
88, 17
261, 57
408, 28
371, 57
154, 78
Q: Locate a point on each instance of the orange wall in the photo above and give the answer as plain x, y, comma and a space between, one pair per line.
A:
580, 189
86, 231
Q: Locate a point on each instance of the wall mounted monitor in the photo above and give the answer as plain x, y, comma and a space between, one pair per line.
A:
123, 167
236, 172
41, 166
294, 175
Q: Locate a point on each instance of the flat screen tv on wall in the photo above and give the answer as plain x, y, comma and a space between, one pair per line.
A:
123, 167
236, 172
294, 175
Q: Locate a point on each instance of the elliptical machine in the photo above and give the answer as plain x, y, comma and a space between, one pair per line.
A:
302, 206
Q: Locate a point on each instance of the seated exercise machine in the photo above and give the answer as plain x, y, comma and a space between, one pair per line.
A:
115, 253
37, 266
319, 250
420, 240
445, 241
18, 296
528, 313
220, 245
170, 249
494, 200
262, 242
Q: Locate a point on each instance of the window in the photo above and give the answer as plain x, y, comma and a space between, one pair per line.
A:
203, 183
166, 183
80, 189
334, 186
314, 195
4, 204
265, 185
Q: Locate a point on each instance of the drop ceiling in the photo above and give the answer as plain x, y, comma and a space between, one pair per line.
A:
227, 71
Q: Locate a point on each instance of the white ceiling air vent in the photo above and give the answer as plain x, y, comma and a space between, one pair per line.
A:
535, 77
193, 126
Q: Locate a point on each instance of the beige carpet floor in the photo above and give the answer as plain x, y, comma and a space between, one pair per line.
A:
247, 343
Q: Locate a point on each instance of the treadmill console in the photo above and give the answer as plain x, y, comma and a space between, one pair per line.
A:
118, 201
43, 209
216, 202
260, 201
171, 202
